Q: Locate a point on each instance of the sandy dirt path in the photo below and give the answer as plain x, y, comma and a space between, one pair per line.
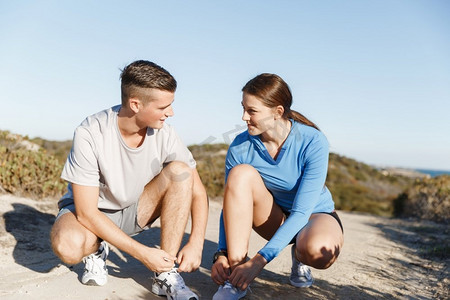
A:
378, 261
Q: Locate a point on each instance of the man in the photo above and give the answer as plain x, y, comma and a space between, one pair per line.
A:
126, 168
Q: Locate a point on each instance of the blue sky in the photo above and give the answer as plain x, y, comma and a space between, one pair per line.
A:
374, 75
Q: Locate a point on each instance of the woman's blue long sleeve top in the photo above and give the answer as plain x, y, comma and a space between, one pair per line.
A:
296, 179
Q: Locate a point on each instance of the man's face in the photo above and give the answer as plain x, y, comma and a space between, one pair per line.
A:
157, 110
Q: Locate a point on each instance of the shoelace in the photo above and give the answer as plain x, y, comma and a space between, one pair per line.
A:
104, 251
228, 285
92, 264
175, 279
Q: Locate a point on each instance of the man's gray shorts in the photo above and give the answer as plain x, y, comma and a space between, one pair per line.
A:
125, 219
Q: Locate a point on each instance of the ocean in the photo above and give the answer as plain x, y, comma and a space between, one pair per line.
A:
433, 173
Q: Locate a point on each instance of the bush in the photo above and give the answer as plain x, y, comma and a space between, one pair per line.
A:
30, 173
211, 166
356, 186
427, 199
59, 149
28, 169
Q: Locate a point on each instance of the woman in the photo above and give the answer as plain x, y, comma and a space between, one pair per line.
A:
275, 183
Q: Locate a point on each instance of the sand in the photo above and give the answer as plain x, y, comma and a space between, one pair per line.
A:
379, 260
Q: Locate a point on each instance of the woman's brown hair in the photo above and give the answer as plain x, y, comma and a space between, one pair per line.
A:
272, 90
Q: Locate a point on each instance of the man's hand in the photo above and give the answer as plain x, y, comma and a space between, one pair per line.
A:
189, 258
220, 271
157, 260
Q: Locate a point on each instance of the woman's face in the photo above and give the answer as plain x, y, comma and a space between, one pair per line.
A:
259, 118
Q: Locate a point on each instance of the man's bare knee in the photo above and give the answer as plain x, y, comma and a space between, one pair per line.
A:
70, 241
68, 247
178, 171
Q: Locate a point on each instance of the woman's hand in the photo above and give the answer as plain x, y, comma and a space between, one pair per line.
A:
245, 273
220, 271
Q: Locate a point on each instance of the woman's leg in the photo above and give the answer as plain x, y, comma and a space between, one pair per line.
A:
247, 204
319, 243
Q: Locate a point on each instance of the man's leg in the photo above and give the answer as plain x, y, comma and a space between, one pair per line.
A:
71, 241
168, 196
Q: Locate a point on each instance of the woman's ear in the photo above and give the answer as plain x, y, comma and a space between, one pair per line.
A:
279, 111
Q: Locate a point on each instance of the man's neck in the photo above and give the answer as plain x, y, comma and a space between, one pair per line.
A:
131, 133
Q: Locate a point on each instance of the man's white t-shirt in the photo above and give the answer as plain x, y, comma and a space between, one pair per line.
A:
100, 157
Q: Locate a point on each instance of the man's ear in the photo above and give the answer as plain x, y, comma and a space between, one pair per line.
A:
134, 104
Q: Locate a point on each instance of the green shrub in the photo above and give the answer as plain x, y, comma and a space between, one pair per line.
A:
211, 166
359, 187
28, 169
59, 149
30, 173
427, 199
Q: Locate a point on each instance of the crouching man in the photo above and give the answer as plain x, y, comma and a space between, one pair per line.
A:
127, 168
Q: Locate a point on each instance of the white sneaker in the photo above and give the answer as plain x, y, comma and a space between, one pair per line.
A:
95, 271
228, 292
300, 274
171, 284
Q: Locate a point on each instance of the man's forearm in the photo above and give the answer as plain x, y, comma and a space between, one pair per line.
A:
199, 214
199, 211
104, 228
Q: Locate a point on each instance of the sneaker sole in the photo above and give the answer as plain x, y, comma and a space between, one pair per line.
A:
240, 296
157, 290
301, 285
243, 295
93, 282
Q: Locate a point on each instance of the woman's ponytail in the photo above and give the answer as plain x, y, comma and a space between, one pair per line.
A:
296, 116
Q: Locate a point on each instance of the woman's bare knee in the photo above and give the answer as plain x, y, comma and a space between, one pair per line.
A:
320, 242
241, 179
242, 173
239, 183
236, 259
318, 254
